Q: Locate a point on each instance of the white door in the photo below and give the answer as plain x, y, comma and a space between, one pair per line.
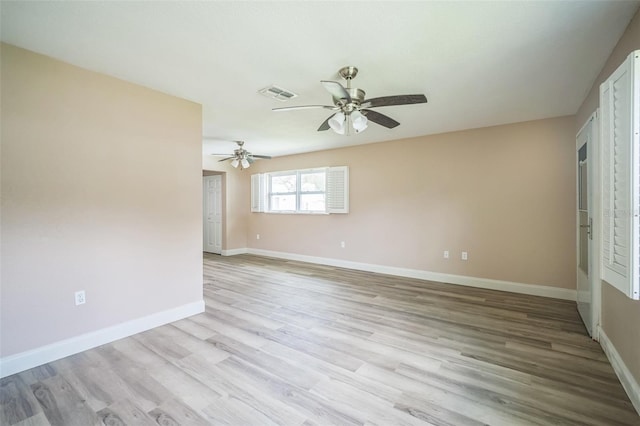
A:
586, 150
212, 213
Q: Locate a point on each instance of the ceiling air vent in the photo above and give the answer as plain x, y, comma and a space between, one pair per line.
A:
278, 93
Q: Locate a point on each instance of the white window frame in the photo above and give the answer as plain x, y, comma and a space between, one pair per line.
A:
336, 191
270, 194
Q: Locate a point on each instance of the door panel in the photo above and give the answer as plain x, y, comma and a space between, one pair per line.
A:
212, 214
585, 226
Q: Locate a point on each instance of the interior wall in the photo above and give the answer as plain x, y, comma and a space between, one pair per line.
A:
101, 191
620, 315
504, 194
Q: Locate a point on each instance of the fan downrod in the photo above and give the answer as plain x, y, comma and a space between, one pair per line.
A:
348, 73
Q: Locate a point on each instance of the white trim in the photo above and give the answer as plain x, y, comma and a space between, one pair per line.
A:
233, 252
486, 283
32, 358
596, 234
629, 383
591, 117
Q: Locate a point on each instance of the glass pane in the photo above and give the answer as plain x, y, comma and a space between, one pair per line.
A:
583, 247
283, 202
583, 213
284, 183
582, 178
312, 182
312, 202
582, 186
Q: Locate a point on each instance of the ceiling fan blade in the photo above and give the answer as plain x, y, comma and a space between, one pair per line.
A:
325, 124
305, 107
337, 90
380, 119
394, 100
225, 159
265, 157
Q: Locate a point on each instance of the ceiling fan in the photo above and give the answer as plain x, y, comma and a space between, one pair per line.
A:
352, 109
241, 157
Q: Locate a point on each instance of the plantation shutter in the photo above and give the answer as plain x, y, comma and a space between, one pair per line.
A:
338, 189
621, 179
258, 193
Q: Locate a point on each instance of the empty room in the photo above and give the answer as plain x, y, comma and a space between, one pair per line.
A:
320, 213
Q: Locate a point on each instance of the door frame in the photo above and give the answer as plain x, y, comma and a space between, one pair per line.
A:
220, 176
595, 167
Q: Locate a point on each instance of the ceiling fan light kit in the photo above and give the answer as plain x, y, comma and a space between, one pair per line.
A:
353, 110
343, 124
359, 121
336, 122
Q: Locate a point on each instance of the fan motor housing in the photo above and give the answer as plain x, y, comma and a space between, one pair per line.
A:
357, 97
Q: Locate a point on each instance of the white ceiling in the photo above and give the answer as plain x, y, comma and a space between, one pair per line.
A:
479, 63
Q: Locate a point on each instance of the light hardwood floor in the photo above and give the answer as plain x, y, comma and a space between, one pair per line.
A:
289, 343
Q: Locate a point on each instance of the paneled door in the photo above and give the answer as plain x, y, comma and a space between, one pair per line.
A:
212, 213
585, 147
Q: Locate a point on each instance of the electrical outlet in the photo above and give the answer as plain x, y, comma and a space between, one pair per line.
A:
342, 244
80, 298
446, 254
257, 236
465, 256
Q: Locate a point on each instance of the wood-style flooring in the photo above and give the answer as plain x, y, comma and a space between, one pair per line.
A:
288, 343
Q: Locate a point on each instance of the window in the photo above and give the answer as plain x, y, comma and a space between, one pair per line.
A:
300, 191
322, 190
283, 192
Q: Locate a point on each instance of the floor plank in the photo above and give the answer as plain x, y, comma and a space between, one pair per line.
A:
289, 343
17, 402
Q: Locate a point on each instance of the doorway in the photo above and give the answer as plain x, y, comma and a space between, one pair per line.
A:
212, 214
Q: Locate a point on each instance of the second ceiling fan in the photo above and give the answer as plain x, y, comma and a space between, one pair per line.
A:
241, 157
353, 111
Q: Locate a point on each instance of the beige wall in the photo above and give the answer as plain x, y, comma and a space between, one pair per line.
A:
504, 194
620, 315
100, 192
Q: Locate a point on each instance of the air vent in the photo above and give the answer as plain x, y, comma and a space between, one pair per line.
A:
278, 93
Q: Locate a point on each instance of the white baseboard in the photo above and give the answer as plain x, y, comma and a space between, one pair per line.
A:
233, 252
25, 360
629, 383
486, 283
